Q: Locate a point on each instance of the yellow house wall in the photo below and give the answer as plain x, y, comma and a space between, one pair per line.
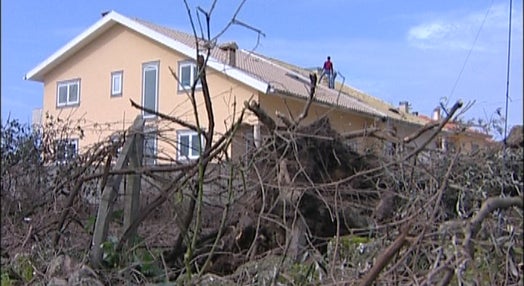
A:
468, 142
341, 121
120, 49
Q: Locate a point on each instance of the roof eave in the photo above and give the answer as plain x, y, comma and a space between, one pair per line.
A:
280, 92
239, 75
405, 121
37, 73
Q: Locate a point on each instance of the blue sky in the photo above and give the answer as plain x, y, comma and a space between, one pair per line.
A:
395, 50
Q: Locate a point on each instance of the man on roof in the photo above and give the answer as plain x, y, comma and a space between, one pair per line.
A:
327, 70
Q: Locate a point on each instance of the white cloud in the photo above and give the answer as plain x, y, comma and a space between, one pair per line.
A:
456, 31
429, 31
442, 35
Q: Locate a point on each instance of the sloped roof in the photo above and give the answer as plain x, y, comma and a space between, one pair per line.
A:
264, 74
390, 111
280, 78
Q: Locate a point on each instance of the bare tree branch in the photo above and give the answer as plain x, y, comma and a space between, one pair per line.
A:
232, 20
164, 116
452, 111
254, 107
288, 123
360, 133
385, 257
474, 225
419, 132
313, 86
488, 206
207, 101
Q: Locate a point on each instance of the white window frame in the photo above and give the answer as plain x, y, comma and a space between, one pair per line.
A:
150, 136
68, 101
191, 152
63, 143
117, 90
147, 67
192, 76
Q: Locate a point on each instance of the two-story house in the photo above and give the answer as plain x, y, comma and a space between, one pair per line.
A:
95, 75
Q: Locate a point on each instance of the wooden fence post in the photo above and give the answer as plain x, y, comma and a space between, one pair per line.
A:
134, 181
110, 193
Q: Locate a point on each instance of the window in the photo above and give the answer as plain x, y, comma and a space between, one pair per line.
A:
150, 146
66, 150
189, 147
116, 83
187, 74
150, 87
68, 93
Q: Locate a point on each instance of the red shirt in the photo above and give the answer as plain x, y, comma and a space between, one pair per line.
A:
328, 65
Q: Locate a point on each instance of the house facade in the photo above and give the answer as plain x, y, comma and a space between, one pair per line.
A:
93, 78
458, 137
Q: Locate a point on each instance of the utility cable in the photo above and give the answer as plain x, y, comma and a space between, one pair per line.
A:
470, 50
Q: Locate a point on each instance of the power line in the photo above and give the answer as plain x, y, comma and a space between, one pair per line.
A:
470, 50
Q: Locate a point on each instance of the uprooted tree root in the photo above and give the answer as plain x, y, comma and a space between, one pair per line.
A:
291, 188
